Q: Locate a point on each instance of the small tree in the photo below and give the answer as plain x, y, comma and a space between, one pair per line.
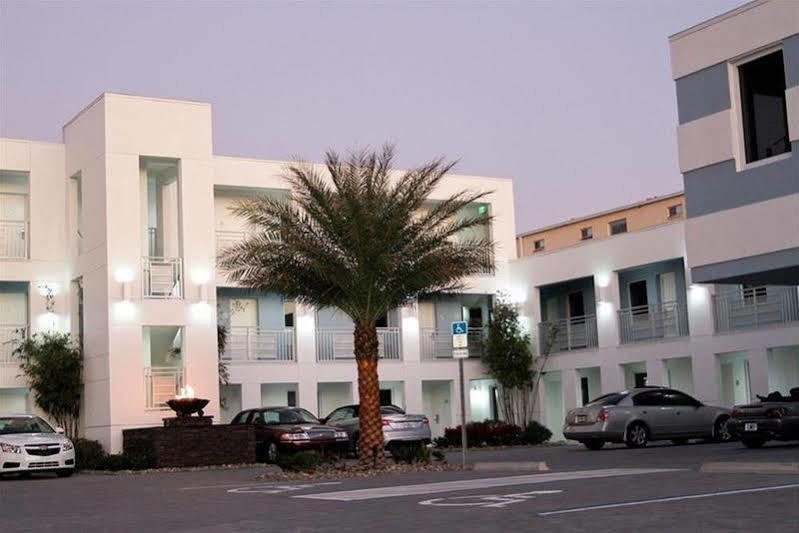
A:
53, 365
508, 358
224, 373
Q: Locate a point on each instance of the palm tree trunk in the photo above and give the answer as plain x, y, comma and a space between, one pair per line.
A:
371, 424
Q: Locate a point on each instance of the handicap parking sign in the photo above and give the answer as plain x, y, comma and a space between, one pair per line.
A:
459, 328
460, 337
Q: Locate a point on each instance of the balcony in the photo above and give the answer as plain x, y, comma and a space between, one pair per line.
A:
339, 344
651, 322
162, 277
260, 345
437, 344
10, 336
566, 334
755, 307
13, 239
161, 384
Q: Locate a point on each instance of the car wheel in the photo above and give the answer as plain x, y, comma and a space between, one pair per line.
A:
637, 435
721, 431
679, 442
271, 453
753, 442
64, 473
594, 444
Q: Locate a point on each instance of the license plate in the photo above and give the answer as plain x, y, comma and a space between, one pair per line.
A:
403, 425
581, 418
750, 426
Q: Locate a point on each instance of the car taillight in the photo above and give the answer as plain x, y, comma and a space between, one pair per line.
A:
425, 421
735, 413
603, 415
386, 423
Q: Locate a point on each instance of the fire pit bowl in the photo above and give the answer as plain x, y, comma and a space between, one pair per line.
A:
187, 406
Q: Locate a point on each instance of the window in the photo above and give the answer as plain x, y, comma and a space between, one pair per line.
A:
675, 211
654, 397
676, 398
763, 112
586, 233
608, 399
343, 413
618, 226
538, 245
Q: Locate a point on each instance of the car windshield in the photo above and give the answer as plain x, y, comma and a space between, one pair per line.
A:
10, 425
391, 410
608, 399
289, 416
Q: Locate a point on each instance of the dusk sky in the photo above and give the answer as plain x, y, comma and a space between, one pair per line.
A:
573, 100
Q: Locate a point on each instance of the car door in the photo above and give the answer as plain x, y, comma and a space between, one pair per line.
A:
343, 418
651, 408
689, 418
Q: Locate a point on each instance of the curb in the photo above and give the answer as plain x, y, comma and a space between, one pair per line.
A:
511, 466
749, 468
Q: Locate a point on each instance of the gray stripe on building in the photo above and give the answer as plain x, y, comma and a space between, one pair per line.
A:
790, 55
774, 268
703, 93
718, 187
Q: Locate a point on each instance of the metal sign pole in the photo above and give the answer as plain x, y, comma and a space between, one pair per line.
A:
463, 416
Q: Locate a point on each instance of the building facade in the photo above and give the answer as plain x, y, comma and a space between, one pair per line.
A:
113, 235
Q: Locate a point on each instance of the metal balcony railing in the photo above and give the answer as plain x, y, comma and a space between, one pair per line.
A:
651, 322
226, 238
488, 258
256, 344
13, 239
161, 384
567, 334
437, 344
162, 277
339, 344
755, 307
10, 337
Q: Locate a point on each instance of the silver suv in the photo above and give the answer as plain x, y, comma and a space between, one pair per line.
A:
398, 427
639, 415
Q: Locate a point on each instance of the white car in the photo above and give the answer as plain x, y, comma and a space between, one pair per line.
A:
29, 444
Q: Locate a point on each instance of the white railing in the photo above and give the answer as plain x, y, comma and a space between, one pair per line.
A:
161, 384
755, 307
488, 258
567, 334
10, 337
437, 344
654, 321
162, 277
256, 344
13, 239
339, 344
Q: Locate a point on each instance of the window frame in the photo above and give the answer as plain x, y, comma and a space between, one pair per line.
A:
610, 227
543, 245
736, 109
584, 231
679, 207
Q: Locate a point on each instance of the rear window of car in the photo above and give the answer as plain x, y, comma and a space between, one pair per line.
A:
608, 399
391, 410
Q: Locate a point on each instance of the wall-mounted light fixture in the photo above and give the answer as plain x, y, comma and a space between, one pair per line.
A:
124, 276
201, 277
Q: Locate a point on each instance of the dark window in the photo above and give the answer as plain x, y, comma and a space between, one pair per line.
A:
342, 413
391, 410
240, 418
640, 379
475, 317
291, 398
538, 245
608, 399
584, 389
586, 233
385, 397
382, 322
675, 211
765, 120
576, 304
618, 226
677, 398
638, 295
755, 294
654, 397
288, 320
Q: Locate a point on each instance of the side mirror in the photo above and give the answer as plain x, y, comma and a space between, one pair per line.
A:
60, 430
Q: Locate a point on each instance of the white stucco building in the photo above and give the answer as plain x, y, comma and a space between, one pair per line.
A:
122, 222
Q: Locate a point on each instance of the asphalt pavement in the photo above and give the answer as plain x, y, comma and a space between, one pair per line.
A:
658, 488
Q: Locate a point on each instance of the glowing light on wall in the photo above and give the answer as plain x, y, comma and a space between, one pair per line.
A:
518, 295
305, 324
47, 321
124, 275
202, 311
604, 308
602, 279
200, 276
124, 311
697, 294
410, 324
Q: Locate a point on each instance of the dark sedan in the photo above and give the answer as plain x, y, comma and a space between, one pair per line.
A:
289, 429
775, 417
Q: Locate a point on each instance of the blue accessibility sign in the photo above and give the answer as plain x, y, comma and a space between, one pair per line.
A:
459, 328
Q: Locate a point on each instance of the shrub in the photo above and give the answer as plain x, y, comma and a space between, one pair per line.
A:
441, 442
299, 461
439, 456
89, 454
485, 434
410, 453
535, 433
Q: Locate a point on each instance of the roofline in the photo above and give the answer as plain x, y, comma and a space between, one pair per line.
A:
718, 18
571, 221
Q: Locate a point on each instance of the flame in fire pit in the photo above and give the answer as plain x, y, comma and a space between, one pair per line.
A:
185, 392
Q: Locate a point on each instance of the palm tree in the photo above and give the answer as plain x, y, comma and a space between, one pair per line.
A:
361, 238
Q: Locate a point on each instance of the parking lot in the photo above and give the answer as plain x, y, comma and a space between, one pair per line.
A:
659, 488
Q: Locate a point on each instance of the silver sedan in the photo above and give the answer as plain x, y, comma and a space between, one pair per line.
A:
637, 416
398, 427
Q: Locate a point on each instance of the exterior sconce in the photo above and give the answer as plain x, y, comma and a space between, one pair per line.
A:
127, 291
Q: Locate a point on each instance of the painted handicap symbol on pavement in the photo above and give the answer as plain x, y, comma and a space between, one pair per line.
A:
277, 489
487, 500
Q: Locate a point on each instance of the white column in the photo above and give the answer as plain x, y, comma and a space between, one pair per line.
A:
607, 310
250, 395
707, 377
611, 378
758, 372
571, 389
409, 330
700, 308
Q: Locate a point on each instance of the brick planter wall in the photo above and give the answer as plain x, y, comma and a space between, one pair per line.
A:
192, 445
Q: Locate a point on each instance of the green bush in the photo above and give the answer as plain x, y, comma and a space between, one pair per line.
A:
535, 433
410, 453
299, 461
439, 456
89, 454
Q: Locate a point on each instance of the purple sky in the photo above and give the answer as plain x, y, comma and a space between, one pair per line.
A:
573, 100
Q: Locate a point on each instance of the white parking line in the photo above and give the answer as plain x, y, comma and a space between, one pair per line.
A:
670, 499
479, 483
